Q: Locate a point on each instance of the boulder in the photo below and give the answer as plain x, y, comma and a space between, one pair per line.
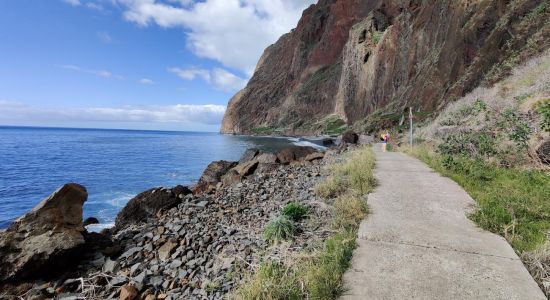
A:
90, 221
239, 172
47, 238
294, 153
212, 175
146, 205
267, 158
249, 155
327, 142
543, 151
231, 178
266, 168
246, 168
181, 190
314, 156
350, 137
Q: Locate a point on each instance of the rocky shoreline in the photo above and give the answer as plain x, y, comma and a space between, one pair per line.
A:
168, 243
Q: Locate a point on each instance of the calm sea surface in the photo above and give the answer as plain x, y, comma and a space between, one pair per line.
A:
114, 165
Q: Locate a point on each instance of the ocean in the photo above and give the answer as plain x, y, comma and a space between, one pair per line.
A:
114, 165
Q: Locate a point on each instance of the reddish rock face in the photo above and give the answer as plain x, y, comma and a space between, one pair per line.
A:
356, 57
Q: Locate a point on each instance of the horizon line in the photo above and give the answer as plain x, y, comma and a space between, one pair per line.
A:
95, 128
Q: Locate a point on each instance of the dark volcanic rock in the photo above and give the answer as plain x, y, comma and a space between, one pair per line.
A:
181, 190
212, 175
146, 205
294, 153
543, 151
328, 142
90, 221
45, 239
350, 137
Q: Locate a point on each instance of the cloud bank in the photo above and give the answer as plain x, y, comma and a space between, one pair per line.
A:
208, 114
233, 32
219, 78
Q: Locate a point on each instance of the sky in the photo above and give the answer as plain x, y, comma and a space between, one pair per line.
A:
132, 64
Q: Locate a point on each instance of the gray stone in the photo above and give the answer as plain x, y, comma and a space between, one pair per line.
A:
165, 250
156, 281
110, 266
134, 269
131, 252
118, 280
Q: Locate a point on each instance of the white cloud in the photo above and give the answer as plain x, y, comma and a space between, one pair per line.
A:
94, 6
104, 37
233, 32
219, 78
146, 81
192, 73
73, 2
100, 73
180, 113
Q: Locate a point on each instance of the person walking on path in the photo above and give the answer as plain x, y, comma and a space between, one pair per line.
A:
385, 140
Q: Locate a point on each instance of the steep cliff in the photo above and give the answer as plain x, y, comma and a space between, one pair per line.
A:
350, 60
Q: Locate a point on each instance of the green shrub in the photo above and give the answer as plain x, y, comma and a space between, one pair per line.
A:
295, 211
377, 36
470, 143
544, 113
279, 229
263, 130
517, 130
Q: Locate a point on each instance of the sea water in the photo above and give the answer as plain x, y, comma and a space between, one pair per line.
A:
114, 165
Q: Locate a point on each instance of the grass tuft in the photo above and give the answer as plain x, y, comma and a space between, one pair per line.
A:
295, 211
279, 229
350, 210
318, 274
272, 281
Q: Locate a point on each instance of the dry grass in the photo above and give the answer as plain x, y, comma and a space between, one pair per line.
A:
355, 173
538, 263
317, 274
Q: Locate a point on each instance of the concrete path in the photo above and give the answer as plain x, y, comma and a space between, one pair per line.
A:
417, 242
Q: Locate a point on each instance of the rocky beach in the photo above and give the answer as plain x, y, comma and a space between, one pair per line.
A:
195, 242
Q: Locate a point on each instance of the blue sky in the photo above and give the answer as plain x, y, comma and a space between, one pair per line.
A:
137, 64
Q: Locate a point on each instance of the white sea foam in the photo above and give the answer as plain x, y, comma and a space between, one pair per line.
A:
99, 227
120, 199
308, 143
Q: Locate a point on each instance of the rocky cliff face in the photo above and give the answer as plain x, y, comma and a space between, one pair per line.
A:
351, 60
